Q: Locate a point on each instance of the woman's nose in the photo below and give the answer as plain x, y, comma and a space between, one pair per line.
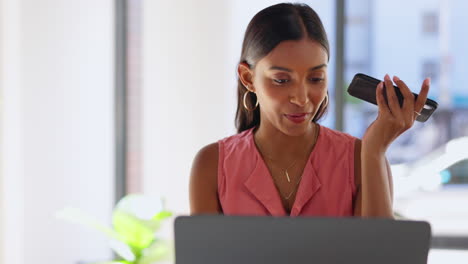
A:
299, 97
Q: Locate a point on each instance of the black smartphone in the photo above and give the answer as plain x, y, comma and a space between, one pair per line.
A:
364, 87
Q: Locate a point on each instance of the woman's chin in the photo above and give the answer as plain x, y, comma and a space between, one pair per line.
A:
297, 129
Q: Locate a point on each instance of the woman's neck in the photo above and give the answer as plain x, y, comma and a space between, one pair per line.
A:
277, 145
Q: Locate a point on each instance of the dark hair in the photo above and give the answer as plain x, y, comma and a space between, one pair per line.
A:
265, 31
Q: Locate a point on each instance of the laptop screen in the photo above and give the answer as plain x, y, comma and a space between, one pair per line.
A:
215, 239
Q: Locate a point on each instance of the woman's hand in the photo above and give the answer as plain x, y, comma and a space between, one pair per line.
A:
375, 193
392, 119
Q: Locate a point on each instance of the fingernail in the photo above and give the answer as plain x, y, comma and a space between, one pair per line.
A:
428, 81
395, 78
387, 78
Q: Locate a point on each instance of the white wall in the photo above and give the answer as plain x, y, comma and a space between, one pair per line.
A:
1, 164
57, 127
185, 90
11, 175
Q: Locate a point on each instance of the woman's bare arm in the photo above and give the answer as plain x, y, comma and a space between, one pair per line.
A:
374, 187
204, 182
357, 203
393, 119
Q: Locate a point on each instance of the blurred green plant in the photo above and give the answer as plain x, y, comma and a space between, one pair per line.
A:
135, 221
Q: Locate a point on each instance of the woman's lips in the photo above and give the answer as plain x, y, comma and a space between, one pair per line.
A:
297, 118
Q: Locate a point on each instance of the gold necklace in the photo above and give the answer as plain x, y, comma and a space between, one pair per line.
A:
294, 189
287, 177
285, 171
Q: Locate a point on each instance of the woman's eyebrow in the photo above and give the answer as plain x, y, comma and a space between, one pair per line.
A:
289, 70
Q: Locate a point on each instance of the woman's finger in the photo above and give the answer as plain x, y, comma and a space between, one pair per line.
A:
383, 108
421, 101
392, 98
408, 100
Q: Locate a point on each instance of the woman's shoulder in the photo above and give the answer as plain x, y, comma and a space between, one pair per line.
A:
208, 155
210, 151
235, 143
336, 136
203, 186
236, 138
206, 160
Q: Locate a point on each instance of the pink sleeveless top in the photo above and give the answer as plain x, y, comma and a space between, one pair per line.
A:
327, 188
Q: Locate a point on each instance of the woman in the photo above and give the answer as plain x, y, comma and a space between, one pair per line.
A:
282, 162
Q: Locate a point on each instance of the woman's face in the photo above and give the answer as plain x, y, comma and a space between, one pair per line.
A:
290, 84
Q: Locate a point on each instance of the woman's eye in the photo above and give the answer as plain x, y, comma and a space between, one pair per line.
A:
316, 79
281, 81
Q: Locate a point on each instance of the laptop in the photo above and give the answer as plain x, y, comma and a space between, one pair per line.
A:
218, 239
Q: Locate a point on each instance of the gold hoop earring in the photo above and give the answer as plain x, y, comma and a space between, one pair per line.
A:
245, 103
326, 103
322, 106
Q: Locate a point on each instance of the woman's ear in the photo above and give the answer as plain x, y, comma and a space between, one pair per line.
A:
245, 76
325, 100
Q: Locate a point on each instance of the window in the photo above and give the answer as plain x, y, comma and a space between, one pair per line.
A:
430, 23
430, 68
430, 180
